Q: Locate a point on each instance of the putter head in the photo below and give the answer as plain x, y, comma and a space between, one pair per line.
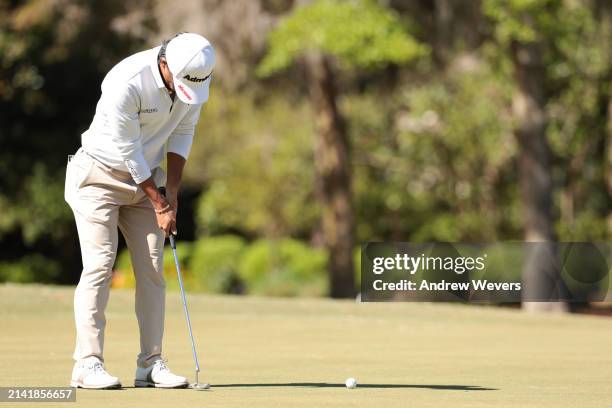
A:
199, 386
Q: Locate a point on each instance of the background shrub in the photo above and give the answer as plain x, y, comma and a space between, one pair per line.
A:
214, 264
284, 267
32, 268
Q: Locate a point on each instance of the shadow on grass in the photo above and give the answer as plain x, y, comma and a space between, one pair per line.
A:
332, 385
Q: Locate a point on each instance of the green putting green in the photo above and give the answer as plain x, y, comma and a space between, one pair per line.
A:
261, 352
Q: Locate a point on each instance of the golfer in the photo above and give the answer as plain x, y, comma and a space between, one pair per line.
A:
148, 110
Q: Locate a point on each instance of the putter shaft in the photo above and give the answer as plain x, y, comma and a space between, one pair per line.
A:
180, 280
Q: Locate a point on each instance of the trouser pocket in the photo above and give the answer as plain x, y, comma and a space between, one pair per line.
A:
78, 171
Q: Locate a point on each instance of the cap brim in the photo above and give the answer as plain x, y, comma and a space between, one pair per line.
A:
192, 95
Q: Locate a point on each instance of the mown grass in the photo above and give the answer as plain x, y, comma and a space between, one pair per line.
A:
260, 352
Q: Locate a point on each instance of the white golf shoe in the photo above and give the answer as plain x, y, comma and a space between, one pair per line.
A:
158, 375
90, 373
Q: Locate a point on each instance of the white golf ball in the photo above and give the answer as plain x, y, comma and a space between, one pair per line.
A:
350, 383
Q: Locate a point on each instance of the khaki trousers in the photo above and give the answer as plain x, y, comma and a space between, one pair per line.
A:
102, 200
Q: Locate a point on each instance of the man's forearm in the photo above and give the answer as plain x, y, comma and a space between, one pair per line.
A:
176, 163
165, 211
158, 200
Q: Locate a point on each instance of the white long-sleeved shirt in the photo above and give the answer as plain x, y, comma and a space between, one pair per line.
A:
136, 121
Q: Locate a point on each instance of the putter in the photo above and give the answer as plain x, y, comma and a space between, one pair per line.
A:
196, 385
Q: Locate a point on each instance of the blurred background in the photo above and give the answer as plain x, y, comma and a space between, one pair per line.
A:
330, 123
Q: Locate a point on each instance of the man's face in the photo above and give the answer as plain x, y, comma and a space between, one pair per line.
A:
165, 71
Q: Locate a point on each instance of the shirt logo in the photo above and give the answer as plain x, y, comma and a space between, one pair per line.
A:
184, 92
148, 110
195, 79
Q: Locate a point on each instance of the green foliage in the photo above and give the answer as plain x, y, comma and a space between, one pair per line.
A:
223, 264
43, 210
184, 251
433, 154
257, 158
586, 226
31, 268
360, 33
39, 209
436, 170
283, 268
357, 265
53, 56
577, 127
576, 53
523, 20
214, 263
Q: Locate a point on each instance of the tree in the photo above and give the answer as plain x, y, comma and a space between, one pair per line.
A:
526, 29
53, 56
356, 34
605, 17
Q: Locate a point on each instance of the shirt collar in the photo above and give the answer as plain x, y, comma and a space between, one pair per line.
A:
155, 69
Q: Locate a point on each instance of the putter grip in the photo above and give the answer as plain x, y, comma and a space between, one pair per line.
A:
162, 191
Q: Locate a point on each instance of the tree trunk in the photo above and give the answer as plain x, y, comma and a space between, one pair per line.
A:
528, 105
444, 30
332, 165
608, 168
605, 12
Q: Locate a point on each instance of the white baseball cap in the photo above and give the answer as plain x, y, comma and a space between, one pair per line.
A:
191, 59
